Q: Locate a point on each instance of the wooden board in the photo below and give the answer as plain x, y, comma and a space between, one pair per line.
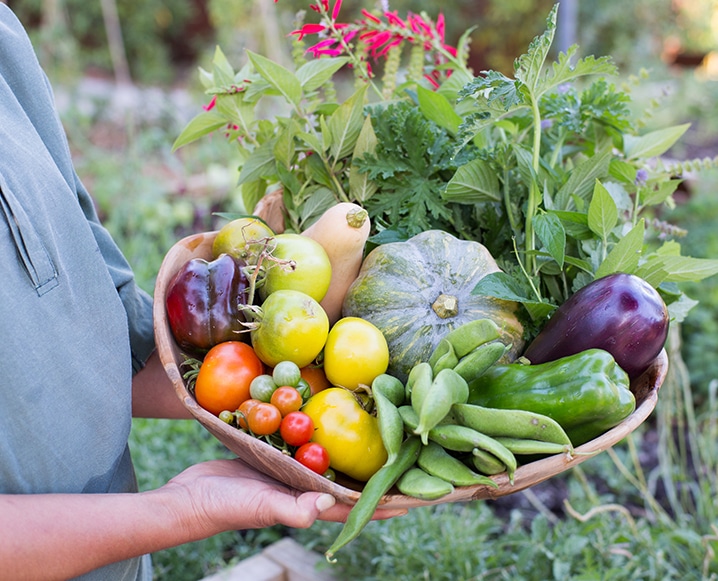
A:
285, 469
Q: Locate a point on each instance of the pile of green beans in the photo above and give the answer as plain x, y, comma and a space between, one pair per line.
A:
435, 440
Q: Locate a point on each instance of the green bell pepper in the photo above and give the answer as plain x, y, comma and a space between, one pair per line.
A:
586, 393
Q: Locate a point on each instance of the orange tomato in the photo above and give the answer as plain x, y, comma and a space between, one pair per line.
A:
315, 377
224, 376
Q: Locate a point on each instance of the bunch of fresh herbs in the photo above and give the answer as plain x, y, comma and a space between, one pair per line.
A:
547, 169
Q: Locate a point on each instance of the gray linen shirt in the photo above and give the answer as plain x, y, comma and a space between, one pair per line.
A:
75, 327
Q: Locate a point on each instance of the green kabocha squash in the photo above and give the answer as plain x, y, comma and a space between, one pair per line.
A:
418, 290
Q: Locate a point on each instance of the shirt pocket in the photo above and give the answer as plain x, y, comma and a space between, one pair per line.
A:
31, 251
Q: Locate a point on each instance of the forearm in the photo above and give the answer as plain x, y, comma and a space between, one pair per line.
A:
153, 394
61, 536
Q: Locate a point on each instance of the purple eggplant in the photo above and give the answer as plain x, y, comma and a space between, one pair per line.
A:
620, 313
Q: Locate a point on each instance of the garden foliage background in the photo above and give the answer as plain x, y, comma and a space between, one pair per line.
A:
644, 510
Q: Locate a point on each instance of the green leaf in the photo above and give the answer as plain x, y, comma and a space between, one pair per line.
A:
473, 182
583, 177
625, 254
278, 77
622, 171
318, 202
659, 194
686, 268
528, 66
504, 286
563, 71
602, 212
199, 126
252, 192
550, 231
284, 145
259, 164
223, 73
346, 123
311, 140
654, 143
438, 109
361, 188
236, 111
314, 73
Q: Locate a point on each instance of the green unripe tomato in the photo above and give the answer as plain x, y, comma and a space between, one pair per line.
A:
298, 263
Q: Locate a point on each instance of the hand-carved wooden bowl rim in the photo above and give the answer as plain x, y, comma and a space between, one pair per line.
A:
285, 469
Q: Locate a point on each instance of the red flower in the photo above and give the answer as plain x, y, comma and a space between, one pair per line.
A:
309, 29
370, 16
213, 102
394, 19
322, 48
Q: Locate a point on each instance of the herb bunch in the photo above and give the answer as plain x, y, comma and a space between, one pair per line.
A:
548, 169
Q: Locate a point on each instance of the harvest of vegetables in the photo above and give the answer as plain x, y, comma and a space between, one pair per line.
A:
430, 235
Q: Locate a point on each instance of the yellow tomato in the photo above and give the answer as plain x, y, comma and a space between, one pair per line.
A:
293, 327
355, 353
348, 432
244, 238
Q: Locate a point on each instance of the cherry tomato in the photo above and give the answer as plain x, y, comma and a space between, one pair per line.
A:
225, 375
355, 353
314, 456
296, 428
264, 419
350, 435
286, 399
286, 373
262, 387
244, 238
243, 410
293, 327
300, 264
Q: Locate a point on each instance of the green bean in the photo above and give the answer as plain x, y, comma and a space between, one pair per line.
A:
435, 460
417, 483
391, 425
524, 446
510, 423
465, 338
443, 357
476, 363
447, 388
376, 487
463, 439
418, 384
486, 463
391, 387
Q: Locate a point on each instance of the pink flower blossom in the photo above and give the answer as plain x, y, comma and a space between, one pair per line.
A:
209, 106
323, 48
370, 16
337, 8
393, 18
308, 29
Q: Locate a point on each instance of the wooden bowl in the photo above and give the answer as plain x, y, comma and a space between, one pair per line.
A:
271, 461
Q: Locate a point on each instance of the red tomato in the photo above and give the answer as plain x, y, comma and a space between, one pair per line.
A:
224, 377
264, 419
314, 456
287, 399
296, 428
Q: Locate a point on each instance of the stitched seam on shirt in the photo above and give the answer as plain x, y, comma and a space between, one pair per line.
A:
36, 260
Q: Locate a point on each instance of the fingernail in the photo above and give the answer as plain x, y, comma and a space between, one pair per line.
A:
324, 502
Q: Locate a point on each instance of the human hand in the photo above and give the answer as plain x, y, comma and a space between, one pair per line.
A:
222, 495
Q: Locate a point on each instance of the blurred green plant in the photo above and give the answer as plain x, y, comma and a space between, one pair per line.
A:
157, 35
